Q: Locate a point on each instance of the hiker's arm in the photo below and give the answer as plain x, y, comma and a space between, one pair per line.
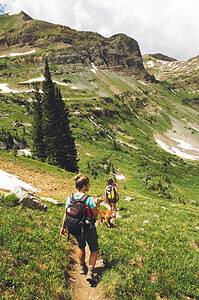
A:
94, 212
63, 229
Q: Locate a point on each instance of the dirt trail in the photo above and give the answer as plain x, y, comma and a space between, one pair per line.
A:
81, 289
49, 184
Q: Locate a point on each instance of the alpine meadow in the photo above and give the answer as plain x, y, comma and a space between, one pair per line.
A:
78, 102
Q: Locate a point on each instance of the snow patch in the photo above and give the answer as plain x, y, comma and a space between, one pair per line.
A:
185, 145
74, 87
18, 54
10, 182
197, 129
120, 177
38, 79
94, 68
24, 152
150, 64
5, 89
176, 151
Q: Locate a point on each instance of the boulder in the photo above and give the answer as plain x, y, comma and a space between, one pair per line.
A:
28, 199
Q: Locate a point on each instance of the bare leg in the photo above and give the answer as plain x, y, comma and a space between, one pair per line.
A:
81, 255
93, 258
114, 209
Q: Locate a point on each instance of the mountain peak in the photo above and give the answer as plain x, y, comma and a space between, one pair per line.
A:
163, 57
25, 16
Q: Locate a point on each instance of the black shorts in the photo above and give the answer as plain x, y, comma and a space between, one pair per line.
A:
90, 237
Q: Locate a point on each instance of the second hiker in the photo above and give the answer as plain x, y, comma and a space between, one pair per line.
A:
112, 196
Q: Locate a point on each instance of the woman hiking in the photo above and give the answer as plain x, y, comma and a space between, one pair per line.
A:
112, 196
82, 227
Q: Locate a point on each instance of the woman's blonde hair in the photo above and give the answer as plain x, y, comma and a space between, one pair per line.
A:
81, 181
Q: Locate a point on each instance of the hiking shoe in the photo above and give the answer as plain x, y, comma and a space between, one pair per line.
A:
90, 276
83, 269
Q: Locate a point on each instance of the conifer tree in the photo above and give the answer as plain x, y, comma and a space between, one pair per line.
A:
59, 145
49, 120
66, 152
37, 133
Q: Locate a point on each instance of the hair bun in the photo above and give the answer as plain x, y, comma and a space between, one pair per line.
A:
77, 177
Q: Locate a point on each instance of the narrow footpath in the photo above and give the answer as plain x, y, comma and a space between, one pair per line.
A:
81, 289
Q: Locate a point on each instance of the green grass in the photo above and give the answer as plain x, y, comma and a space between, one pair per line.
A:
153, 251
33, 256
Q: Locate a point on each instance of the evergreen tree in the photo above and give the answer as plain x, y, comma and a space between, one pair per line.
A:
37, 133
59, 145
66, 151
49, 120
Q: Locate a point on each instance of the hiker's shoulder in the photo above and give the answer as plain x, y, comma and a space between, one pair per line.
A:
90, 201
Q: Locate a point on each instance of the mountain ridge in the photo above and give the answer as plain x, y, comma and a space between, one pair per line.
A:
118, 52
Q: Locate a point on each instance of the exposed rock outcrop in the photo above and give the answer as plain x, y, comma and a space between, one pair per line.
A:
119, 52
163, 57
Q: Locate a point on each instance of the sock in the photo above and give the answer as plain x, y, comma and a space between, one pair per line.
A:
91, 268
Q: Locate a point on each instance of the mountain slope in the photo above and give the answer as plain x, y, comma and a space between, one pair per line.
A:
119, 52
180, 74
120, 123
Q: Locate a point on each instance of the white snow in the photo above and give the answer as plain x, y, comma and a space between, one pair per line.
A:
184, 145
18, 54
176, 151
24, 152
150, 64
146, 222
94, 68
98, 126
197, 129
11, 182
127, 144
60, 83
5, 89
38, 79
173, 91
120, 177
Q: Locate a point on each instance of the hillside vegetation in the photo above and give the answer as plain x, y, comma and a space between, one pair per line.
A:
115, 114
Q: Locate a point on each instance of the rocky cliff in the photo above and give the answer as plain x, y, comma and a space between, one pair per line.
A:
68, 46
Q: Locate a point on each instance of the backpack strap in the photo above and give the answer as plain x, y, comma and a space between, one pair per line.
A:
84, 198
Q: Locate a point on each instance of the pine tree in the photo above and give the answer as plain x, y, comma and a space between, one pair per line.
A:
37, 133
66, 152
59, 145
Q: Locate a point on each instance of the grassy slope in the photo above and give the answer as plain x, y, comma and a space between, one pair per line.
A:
33, 257
147, 250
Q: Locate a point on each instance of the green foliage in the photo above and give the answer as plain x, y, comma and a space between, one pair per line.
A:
152, 252
9, 200
37, 130
32, 254
52, 136
97, 167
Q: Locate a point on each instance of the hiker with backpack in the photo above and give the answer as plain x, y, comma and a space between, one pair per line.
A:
79, 220
112, 196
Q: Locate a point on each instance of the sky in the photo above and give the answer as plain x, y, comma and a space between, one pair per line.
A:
160, 26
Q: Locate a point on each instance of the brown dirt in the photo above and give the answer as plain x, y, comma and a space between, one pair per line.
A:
81, 289
51, 186
48, 184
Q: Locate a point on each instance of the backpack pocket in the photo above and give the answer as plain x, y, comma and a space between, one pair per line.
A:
74, 226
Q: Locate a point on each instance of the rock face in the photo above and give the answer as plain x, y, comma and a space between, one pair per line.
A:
119, 52
28, 199
163, 57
